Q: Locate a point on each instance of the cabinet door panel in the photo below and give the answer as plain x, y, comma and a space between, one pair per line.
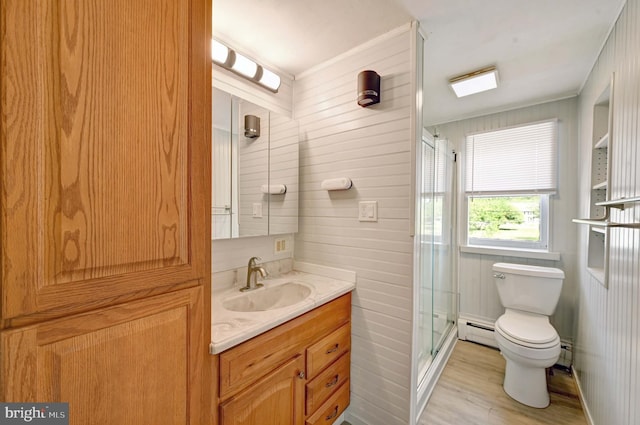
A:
104, 137
106, 364
277, 399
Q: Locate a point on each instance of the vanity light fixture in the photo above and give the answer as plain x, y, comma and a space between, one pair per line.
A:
244, 66
269, 79
475, 82
240, 64
220, 53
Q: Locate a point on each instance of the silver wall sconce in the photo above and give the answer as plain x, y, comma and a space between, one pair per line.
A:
229, 59
251, 126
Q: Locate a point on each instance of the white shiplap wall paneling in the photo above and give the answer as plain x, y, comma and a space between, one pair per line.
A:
607, 355
372, 147
283, 169
253, 172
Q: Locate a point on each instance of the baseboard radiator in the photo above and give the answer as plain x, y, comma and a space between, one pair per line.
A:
476, 331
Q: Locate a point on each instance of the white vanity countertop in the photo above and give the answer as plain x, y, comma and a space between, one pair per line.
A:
230, 328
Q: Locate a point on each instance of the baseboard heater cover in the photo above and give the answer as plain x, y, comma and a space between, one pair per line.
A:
477, 331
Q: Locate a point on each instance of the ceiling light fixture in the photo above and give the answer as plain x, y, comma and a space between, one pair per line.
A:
475, 82
240, 64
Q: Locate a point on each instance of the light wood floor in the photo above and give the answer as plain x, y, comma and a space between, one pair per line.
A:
470, 392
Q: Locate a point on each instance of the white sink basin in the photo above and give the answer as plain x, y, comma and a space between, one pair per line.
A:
268, 297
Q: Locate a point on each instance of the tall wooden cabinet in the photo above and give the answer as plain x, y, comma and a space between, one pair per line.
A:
105, 176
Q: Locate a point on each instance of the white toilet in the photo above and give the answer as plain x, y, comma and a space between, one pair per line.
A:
525, 337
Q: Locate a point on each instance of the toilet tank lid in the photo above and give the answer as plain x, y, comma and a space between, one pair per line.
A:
527, 270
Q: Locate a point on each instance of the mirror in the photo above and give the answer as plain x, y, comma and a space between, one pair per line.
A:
255, 170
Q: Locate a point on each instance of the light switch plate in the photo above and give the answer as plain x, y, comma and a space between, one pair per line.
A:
257, 210
368, 211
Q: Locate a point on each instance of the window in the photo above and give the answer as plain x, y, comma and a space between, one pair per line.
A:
510, 174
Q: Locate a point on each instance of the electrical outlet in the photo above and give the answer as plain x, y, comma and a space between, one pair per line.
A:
280, 245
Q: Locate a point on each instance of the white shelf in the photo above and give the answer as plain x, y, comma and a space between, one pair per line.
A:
601, 185
598, 230
603, 142
604, 223
597, 273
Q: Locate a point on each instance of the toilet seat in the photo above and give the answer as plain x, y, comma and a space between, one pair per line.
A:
527, 330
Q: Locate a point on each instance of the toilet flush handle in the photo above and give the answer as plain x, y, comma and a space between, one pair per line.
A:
498, 275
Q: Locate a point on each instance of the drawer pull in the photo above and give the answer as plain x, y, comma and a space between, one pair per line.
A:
301, 375
333, 414
333, 381
333, 349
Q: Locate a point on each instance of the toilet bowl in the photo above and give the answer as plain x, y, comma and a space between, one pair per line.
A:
529, 345
526, 339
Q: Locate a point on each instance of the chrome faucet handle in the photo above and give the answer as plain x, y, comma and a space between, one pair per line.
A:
252, 262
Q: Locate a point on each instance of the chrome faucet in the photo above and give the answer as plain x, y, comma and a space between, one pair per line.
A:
252, 279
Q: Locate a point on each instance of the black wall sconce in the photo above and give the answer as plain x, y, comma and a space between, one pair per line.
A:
368, 88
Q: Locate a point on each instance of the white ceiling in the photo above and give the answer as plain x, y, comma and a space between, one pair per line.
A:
544, 49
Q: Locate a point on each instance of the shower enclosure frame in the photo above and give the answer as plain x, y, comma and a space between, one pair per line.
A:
424, 375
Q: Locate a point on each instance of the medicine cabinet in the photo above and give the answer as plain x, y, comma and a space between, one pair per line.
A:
254, 178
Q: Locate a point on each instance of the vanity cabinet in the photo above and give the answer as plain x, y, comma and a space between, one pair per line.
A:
275, 398
296, 373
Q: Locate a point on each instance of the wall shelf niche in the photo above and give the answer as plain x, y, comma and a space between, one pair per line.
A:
598, 239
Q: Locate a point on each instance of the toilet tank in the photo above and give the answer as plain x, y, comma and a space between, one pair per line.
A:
528, 288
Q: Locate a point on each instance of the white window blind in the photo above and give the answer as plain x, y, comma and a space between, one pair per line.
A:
513, 160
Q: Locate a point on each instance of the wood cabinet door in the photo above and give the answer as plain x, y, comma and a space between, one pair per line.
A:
136, 363
105, 152
277, 399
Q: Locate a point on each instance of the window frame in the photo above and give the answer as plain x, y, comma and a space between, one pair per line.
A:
541, 245
544, 244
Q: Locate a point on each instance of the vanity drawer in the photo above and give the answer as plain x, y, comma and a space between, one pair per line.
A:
328, 349
332, 408
322, 386
243, 364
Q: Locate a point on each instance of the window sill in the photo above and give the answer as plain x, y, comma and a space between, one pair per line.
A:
506, 252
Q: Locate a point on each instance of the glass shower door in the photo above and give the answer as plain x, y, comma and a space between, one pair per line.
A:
437, 301
444, 300
425, 255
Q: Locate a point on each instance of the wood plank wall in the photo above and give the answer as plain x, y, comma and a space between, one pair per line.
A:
607, 358
478, 295
372, 147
